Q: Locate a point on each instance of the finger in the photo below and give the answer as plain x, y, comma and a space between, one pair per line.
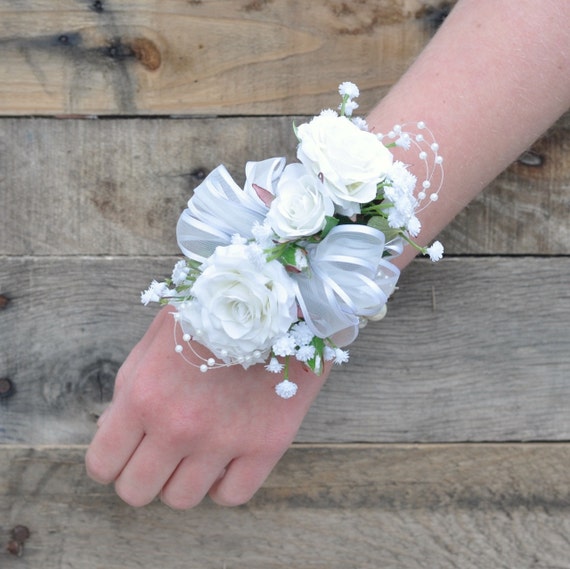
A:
146, 472
191, 481
118, 435
243, 478
113, 444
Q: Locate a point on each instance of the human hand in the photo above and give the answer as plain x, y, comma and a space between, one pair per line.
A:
176, 432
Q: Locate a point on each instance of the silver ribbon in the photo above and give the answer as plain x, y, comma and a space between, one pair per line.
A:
219, 208
347, 278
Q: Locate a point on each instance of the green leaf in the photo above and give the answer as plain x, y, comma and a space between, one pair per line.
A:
381, 223
288, 255
330, 222
319, 344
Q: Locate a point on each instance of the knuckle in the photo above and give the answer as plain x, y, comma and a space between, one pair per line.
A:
144, 398
180, 428
141, 396
272, 443
177, 435
120, 378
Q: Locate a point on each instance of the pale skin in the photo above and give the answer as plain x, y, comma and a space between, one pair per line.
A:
493, 79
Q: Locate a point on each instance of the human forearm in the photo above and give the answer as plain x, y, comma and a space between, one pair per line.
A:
492, 80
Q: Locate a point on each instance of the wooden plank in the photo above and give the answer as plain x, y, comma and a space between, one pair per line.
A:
216, 57
394, 506
116, 187
472, 349
515, 214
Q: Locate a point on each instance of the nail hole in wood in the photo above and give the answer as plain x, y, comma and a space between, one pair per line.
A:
7, 388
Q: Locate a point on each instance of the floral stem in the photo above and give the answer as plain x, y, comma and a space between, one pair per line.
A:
413, 243
342, 109
286, 368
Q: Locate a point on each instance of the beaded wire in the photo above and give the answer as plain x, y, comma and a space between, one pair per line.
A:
427, 151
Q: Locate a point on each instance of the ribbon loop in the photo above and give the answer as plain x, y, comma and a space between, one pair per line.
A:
219, 208
347, 279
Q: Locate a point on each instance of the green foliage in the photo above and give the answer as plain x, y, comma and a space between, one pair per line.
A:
381, 224
330, 223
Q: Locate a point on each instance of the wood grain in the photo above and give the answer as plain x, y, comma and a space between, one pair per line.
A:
472, 349
365, 506
194, 57
116, 187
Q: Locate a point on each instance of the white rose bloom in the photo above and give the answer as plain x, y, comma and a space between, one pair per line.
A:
300, 208
349, 161
239, 308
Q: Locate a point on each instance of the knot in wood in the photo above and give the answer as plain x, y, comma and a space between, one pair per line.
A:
98, 381
97, 6
118, 50
147, 53
434, 16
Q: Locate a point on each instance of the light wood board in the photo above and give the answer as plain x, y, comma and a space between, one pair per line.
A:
357, 506
169, 57
471, 349
117, 187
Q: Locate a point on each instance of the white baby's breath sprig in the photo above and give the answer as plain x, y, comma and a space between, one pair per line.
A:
286, 389
336, 355
274, 365
435, 251
155, 292
348, 91
360, 123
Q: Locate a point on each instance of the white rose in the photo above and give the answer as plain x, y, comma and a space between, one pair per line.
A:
300, 208
349, 161
241, 304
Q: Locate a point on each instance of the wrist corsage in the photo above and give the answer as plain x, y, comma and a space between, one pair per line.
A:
293, 264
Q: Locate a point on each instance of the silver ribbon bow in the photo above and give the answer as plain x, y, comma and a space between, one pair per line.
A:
219, 208
347, 278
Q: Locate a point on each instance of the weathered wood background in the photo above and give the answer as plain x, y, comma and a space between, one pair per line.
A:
448, 452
